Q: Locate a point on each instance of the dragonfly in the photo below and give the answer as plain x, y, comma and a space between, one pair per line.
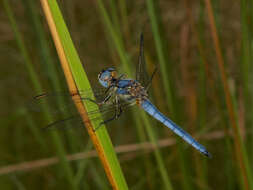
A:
120, 92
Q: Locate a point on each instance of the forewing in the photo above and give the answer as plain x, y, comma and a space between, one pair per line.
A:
62, 109
62, 101
141, 72
107, 111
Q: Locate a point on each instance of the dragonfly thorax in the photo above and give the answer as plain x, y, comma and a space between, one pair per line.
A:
132, 89
136, 90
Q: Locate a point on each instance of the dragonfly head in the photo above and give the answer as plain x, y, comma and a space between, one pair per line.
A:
106, 76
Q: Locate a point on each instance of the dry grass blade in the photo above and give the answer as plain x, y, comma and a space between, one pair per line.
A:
129, 148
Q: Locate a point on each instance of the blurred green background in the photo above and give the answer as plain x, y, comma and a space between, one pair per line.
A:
190, 88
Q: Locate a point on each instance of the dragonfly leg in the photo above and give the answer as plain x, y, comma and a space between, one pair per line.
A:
106, 98
107, 90
117, 114
99, 103
89, 99
121, 76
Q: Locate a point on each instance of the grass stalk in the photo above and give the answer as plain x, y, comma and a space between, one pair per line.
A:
127, 68
161, 56
157, 153
146, 147
246, 49
47, 61
82, 166
124, 20
151, 7
239, 146
77, 80
37, 87
250, 6
117, 41
115, 18
247, 55
106, 33
200, 165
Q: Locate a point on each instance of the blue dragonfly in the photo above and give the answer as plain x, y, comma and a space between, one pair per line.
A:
120, 93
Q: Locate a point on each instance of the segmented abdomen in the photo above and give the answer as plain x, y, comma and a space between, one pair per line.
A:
154, 112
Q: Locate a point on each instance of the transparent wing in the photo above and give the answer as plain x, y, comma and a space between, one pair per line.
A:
141, 72
63, 100
77, 121
63, 111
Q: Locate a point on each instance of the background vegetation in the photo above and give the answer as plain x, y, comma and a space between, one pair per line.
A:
203, 50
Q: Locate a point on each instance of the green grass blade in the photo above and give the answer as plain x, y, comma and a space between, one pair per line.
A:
250, 6
35, 81
115, 37
200, 165
100, 138
82, 166
158, 155
240, 150
127, 68
115, 18
246, 66
160, 52
124, 20
151, 7
246, 48
47, 62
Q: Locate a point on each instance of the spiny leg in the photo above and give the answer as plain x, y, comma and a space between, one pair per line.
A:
91, 100
117, 114
107, 90
99, 103
121, 76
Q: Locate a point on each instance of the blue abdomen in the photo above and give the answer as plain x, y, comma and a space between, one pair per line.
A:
154, 112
